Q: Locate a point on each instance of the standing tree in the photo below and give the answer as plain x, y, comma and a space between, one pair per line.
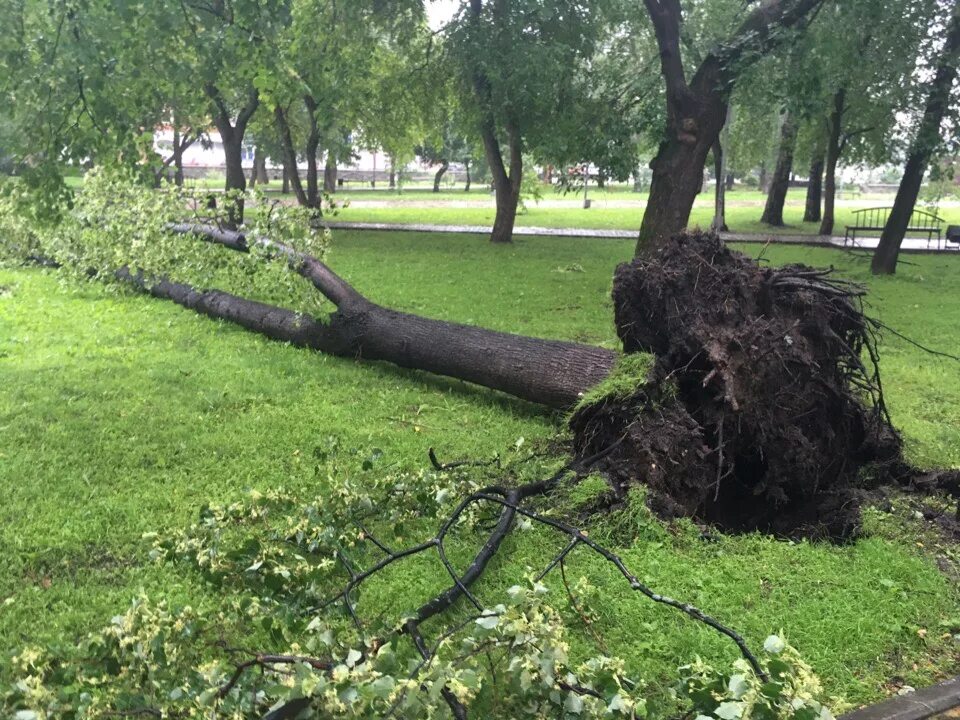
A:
326, 57
865, 78
230, 46
697, 108
925, 143
780, 183
518, 63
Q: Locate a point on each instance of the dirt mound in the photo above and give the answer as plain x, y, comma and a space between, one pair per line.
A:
758, 412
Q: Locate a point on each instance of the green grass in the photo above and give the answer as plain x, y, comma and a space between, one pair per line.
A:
743, 215
121, 415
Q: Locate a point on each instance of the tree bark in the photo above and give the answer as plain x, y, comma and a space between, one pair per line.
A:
927, 139
444, 164
254, 174
834, 148
285, 185
780, 183
260, 165
310, 151
719, 223
696, 111
231, 134
330, 174
291, 173
466, 167
811, 211
507, 189
548, 372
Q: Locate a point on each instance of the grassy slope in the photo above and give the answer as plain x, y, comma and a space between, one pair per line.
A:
121, 415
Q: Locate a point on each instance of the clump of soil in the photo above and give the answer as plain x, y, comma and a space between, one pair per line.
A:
758, 412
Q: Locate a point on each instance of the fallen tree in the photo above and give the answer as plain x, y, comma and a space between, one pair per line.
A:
746, 397
745, 402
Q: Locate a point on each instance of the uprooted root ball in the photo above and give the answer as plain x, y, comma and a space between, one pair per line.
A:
763, 407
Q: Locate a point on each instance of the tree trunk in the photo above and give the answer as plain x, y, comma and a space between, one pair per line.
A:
235, 178
254, 171
928, 137
178, 168
330, 174
291, 173
506, 181
260, 165
231, 135
444, 164
762, 180
285, 185
834, 147
780, 183
729, 181
548, 372
466, 167
678, 173
811, 212
696, 111
719, 223
310, 151
506, 184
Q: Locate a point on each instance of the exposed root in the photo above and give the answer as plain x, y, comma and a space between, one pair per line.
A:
765, 402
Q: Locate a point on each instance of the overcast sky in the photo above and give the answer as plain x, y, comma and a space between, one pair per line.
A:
440, 11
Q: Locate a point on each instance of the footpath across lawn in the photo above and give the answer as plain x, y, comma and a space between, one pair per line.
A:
121, 415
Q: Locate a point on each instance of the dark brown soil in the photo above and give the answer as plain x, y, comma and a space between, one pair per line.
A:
759, 413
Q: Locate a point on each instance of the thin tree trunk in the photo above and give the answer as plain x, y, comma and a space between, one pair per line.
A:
928, 137
506, 184
253, 170
548, 372
260, 164
834, 148
506, 181
762, 180
466, 167
310, 151
720, 170
330, 174
393, 172
444, 164
811, 211
290, 170
285, 186
780, 183
719, 223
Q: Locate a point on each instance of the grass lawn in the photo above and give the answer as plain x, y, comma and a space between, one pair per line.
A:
608, 212
121, 415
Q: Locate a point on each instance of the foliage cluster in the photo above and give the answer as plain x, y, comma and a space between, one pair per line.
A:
273, 557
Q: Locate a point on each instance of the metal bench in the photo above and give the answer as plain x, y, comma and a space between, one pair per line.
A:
953, 236
874, 220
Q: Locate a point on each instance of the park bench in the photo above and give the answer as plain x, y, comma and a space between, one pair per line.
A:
875, 219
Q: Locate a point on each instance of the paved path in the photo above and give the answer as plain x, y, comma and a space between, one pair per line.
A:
909, 244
